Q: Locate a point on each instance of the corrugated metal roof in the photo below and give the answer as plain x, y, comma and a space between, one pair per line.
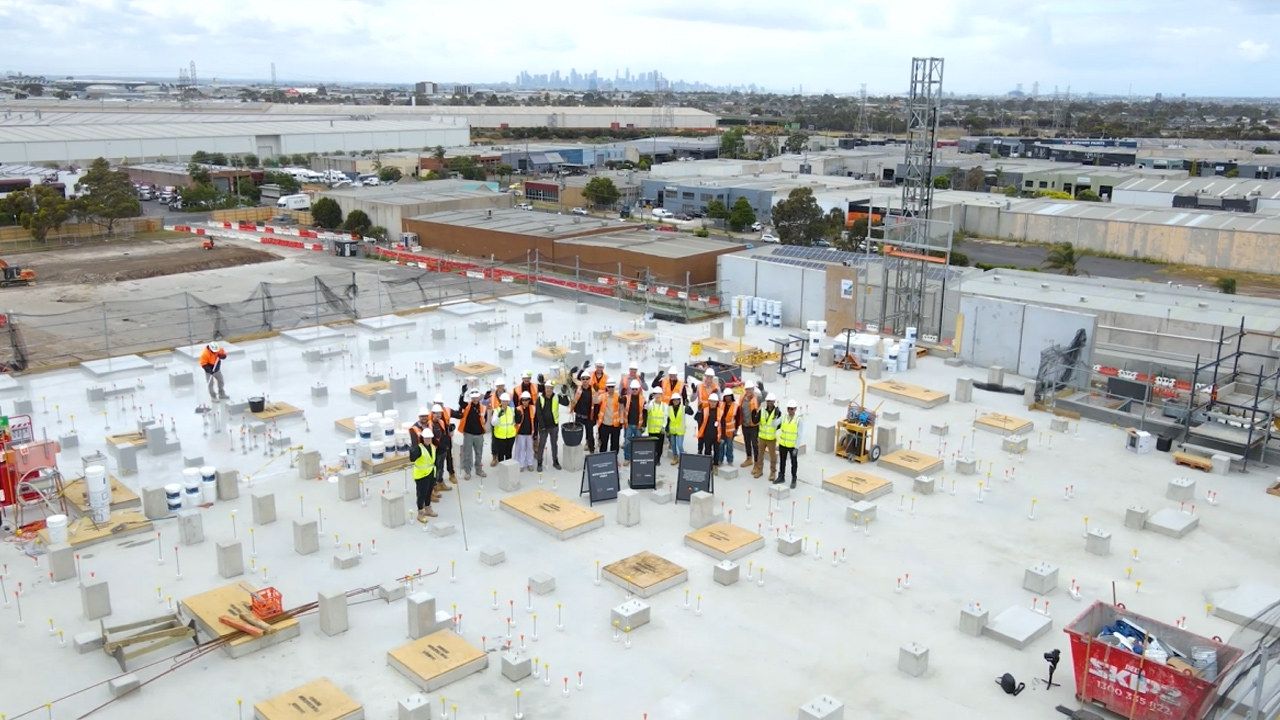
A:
1245, 222
1211, 186
75, 133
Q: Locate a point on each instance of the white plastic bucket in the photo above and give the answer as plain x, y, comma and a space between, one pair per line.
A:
364, 430
911, 335
98, 490
393, 415
388, 429
173, 496
775, 311
904, 355
815, 341
890, 357
57, 527
209, 483
351, 459
191, 492
377, 450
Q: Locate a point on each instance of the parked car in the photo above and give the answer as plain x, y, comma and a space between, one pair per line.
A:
769, 238
821, 243
524, 206
757, 227
662, 213
683, 217
666, 228
580, 211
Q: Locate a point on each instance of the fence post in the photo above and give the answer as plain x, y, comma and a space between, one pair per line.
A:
686, 294
617, 291
315, 288
577, 278
186, 297
536, 271
106, 336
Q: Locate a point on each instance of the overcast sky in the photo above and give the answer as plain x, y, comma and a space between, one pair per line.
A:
1220, 47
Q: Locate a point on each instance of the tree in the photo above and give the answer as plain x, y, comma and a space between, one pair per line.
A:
733, 143
646, 162
1263, 150
390, 175
287, 183
200, 156
1227, 285
199, 174
796, 142
326, 213
438, 153
246, 188
1088, 195
1064, 258
200, 196
250, 160
503, 170
601, 192
377, 232
1011, 191
798, 218
837, 220
217, 158
298, 159
718, 210
768, 147
975, 179
1052, 194
942, 182
702, 232
357, 223
742, 215
106, 196
39, 209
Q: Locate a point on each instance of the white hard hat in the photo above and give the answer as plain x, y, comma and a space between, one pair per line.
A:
504, 398
655, 391
426, 432
673, 370
472, 379
599, 363
438, 399
635, 384
524, 395
586, 375
437, 408
714, 398
610, 382
500, 381
423, 411
749, 388
214, 346
792, 404
473, 394
635, 366
771, 398
527, 373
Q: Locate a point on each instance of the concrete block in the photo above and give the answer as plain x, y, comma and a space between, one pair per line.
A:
123, 685
312, 355
628, 507
661, 496
154, 503
345, 560
966, 466
1181, 490
442, 528
180, 378
572, 458
414, 707
581, 308
228, 484
1059, 424
258, 364
973, 620
826, 356
319, 390
230, 558
818, 385
727, 472
1173, 523
1018, 627
126, 459
995, 375
515, 668
257, 427
703, 510
69, 440
1221, 464
374, 377
887, 438
717, 329
1014, 444
964, 390
542, 583
790, 545
953, 361
348, 485
383, 401
1135, 517
823, 707
378, 343
88, 641
860, 511
1098, 542
779, 491
913, 659
96, 393
1041, 579
190, 527
62, 562
507, 473
726, 572
422, 614
444, 621
941, 430
306, 537
630, 614
533, 317
333, 612
194, 461
825, 439
493, 556
875, 368
393, 509
309, 465
391, 591
95, 598
264, 508
923, 485
769, 371
891, 415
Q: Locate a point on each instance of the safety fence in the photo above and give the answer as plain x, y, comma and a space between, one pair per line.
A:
18, 239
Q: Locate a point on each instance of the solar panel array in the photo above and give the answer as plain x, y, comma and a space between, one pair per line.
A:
795, 262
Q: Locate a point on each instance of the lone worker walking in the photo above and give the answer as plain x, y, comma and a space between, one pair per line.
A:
211, 361
788, 441
423, 456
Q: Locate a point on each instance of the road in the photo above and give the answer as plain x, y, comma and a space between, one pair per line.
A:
1032, 256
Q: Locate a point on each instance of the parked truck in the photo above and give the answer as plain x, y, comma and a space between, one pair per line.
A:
294, 202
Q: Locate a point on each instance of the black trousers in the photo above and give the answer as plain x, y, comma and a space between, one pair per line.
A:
751, 439
609, 438
659, 437
708, 446
447, 452
786, 452
502, 448
425, 486
585, 422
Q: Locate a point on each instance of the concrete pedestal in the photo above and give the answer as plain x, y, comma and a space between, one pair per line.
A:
1135, 517
230, 558
995, 375
1098, 542
1014, 444
507, 473
1221, 464
703, 510
966, 466
923, 485
1181, 490
349, 485
264, 508
95, 598
769, 371
572, 458
887, 438
973, 621
228, 484
492, 556
818, 385
964, 390
309, 465
826, 356
515, 668
306, 537
913, 659
333, 612
875, 368
860, 511
190, 527
630, 614
825, 439
542, 584
628, 508
154, 503
1059, 425
1041, 579
790, 545
823, 707
414, 707
393, 509
421, 607
726, 572
62, 562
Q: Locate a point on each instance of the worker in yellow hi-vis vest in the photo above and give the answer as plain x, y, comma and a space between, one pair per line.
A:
788, 443
423, 456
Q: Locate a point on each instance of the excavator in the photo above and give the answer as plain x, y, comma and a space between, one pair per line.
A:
10, 275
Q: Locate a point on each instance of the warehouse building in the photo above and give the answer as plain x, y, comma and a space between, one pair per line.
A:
566, 192
178, 175
388, 205
1206, 193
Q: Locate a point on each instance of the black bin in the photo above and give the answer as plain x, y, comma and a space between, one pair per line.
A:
257, 404
1164, 443
572, 434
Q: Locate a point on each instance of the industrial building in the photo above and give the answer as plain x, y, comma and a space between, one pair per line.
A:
1205, 193
389, 205
179, 175
566, 192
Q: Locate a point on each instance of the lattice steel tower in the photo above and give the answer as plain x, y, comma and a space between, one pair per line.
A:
909, 238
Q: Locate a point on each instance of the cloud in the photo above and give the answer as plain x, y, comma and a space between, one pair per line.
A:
1252, 51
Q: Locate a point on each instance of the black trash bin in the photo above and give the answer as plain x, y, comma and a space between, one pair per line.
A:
1164, 443
572, 434
257, 404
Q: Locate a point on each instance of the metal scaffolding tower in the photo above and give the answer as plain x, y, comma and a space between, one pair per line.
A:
911, 239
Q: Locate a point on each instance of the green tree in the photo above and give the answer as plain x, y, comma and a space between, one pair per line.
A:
702, 232
39, 209
199, 174
390, 175
768, 146
718, 210
798, 218
1227, 285
733, 143
377, 232
975, 179
1263, 150
796, 142
646, 162
601, 192
942, 182
248, 189
1064, 258
287, 183
837, 220
438, 153
357, 223
199, 196
106, 196
200, 156
298, 160
1232, 173
742, 215
217, 158
1088, 195
250, 160
326, 213
1011, 191
1052, 194
503, 170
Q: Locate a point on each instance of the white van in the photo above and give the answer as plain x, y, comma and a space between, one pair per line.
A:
662, 213
294, 202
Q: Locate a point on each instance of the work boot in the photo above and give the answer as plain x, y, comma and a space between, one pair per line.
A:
493, 462
422, 515
481, 473
779, 481
556, 464
793, 483
466, 475
442, 487
747, 463
626, 463
756, 474
223, 397
453, 478
429, 512
539, 467
675, 460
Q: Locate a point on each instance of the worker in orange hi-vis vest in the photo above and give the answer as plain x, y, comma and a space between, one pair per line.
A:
211, 361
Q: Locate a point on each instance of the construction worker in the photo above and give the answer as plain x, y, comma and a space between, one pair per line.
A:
770, 418
598, 377
447, 454
788, 441
749, 411
708, 420
669, 385
729, 421
472, 419
584, 409
211, 361
675, 426
709, 386
494, 397
526, 384
504, 428
525, 424
547, 415
634, 374
609, 417
423, 456
633, 417
655, 423
442, 430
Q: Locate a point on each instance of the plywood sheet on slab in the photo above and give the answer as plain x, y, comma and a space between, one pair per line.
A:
914, 395
389, 463
232, 599
311, 334
109, 366
317, 700
369, 390
551, 513
138, 439
857, 485
478, 369
911, 463
553, 352
121, 496
633, 336
437, 660
1002, 424
645, 573
275, 411
726, 345
346, 425
525, 299
723, 541
81, 532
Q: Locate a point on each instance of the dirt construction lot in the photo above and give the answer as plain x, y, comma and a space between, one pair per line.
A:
99, 264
